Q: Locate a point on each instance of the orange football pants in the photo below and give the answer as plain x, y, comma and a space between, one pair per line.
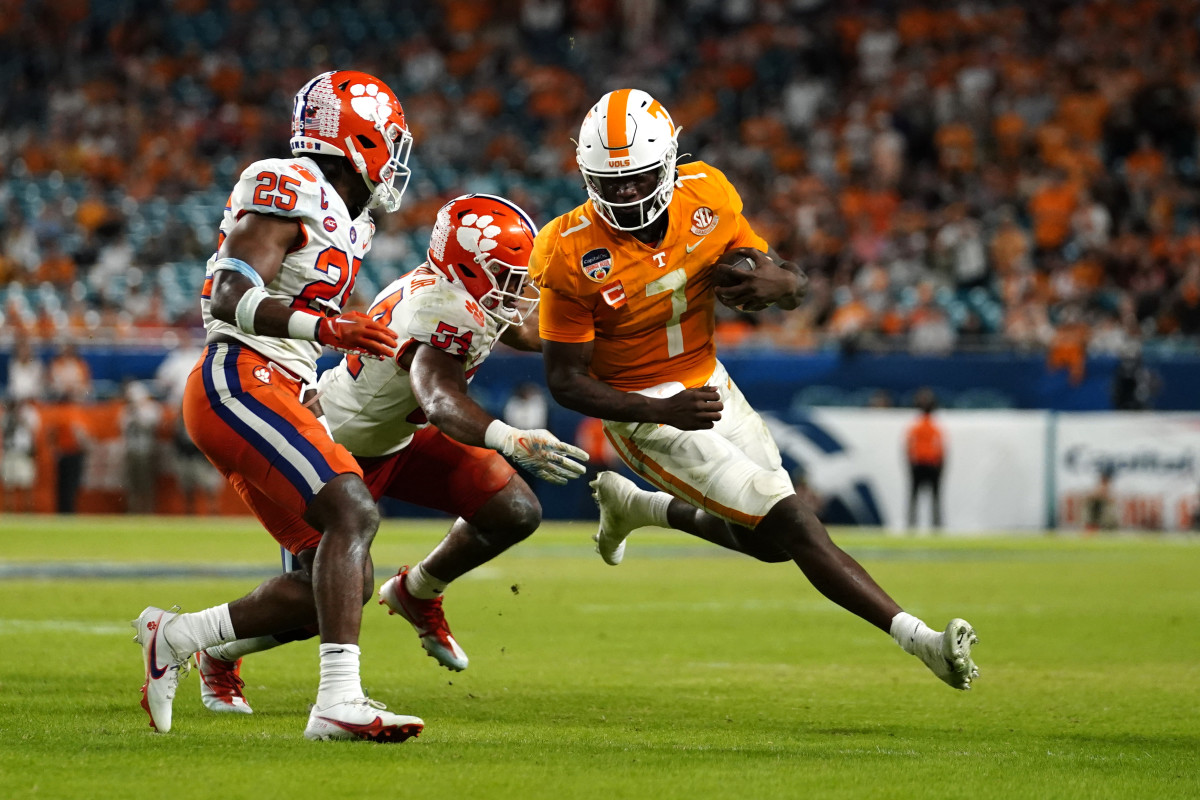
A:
246, 416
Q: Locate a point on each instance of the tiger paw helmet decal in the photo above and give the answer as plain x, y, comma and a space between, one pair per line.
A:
369, 102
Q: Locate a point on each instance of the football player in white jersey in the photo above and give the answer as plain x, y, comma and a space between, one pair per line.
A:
418, 435
289, 247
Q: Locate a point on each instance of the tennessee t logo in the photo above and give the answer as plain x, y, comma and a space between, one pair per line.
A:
660, 260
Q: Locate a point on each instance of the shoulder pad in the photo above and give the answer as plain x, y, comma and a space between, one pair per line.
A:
435, 305
285, 187
704, 184
560, 242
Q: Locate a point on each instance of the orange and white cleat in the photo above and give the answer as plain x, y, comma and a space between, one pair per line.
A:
221, 684
427, 620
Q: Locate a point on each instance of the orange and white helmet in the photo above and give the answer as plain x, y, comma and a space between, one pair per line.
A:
483, 243
628, 132
353, 114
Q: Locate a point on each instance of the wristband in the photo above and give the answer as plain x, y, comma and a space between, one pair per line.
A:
497, 434
247, 307
241, 268
302, 325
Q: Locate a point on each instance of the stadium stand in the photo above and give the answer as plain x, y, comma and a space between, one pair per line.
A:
954, 176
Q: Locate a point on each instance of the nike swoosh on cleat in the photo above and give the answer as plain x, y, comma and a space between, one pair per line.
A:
372, 728
155, 672
376, 731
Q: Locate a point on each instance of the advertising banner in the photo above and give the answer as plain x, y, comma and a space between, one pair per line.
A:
1130, 471
994, 476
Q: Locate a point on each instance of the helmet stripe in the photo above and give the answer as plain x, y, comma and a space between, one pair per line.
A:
618, 110
303, 112
504, 202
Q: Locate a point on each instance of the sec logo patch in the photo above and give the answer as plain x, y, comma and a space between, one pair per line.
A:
597, 264
704, 221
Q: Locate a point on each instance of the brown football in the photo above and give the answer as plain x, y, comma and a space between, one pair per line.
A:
742, 258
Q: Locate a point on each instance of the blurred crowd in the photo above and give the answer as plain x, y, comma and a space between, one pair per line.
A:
952, 174
63, 438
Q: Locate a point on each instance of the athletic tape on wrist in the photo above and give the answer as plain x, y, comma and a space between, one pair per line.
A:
497, 434
247, 307
240, 267
302, 325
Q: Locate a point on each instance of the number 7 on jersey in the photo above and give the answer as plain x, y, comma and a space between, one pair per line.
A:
675, 283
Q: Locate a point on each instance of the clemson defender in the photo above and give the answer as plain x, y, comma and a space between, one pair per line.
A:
293, 235
418, 435
627, 320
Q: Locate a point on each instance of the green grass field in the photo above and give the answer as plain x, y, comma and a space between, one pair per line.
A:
683, 673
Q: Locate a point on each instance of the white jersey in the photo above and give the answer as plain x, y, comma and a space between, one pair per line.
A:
369, 404
319, 275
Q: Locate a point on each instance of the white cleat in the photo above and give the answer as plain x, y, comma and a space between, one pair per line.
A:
163, 665
612, 493
949, 656
221, 685
360, 719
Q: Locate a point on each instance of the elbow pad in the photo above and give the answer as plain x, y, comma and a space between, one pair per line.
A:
247, 307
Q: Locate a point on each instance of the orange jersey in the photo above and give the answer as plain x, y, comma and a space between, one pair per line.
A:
649, 309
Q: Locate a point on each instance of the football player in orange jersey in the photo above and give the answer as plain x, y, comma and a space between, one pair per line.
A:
288, 250
629, 281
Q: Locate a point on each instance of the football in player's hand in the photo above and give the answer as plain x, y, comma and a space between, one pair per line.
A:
739, 259
729, 277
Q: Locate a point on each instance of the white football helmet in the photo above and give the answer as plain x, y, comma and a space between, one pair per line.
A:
628, 132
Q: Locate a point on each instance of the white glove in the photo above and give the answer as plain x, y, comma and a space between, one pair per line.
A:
538, 451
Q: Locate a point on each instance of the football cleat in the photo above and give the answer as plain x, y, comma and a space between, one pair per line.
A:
360, 719
163, 665
949, 655
612, 493
427, 619
221, 684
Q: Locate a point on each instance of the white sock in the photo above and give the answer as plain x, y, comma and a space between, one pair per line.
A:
910, 632
232, 651
339, 675
191, 633
423, 586
652, 507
